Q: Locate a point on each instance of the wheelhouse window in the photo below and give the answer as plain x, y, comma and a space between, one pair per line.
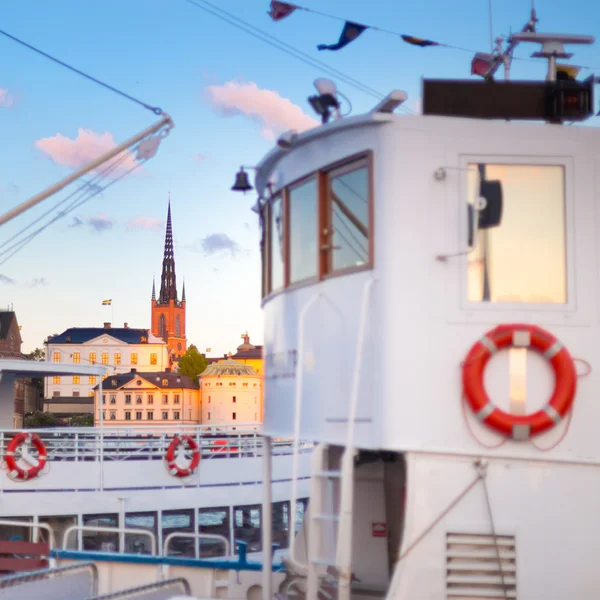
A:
320, 226
517, 238
302, 230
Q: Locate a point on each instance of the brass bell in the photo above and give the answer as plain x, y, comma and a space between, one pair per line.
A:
241, 181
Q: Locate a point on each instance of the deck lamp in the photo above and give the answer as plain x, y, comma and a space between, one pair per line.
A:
325, 100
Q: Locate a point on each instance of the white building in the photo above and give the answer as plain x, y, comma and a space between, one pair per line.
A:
136, 398
118, 348
230, 394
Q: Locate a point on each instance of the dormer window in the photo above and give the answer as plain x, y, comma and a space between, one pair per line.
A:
165, 382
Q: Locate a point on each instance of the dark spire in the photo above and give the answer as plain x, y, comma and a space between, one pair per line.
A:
153, 289
183, 292
168, 286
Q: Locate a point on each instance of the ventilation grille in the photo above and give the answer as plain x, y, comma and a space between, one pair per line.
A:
472, 569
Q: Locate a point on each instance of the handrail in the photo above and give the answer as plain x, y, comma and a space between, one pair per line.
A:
124, 530
30, 525
197, 536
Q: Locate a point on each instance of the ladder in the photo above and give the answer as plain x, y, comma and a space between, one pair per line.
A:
326, 480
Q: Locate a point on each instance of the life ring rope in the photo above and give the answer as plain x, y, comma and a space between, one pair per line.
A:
519, 427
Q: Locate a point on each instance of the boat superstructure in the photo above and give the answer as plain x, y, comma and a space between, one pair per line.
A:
402, 254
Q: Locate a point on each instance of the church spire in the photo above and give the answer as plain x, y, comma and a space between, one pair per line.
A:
183, 292
153, 289
168, 286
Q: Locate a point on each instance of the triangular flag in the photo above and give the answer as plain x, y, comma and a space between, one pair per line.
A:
280, 10
350, 32
415, 41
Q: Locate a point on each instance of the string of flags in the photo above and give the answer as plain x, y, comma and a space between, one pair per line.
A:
481, 64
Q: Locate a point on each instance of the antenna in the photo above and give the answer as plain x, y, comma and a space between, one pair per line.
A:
552, 46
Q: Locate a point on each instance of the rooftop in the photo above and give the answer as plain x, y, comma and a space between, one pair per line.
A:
228, 367
81, 335
173, 380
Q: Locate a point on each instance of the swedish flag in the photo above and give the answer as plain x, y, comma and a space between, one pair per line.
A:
106, 302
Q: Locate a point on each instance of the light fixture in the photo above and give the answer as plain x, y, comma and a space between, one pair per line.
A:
391, 102
242, 183
287, 140
325, 100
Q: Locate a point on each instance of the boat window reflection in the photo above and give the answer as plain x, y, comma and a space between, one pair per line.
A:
523, 258
15, 532
247, 527
99, 540
59, 525
180, 521
213, 521
348, 214
303, 215
276, 243
136, 543
281, 523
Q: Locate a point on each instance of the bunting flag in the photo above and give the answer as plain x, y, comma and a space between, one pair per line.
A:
280, 10
415, 41
350, 32
106, 302
482, 63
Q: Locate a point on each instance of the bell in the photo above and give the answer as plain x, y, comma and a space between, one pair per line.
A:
241, 182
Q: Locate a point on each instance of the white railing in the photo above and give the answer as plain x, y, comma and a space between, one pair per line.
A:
198, 537
147, 443
115, 530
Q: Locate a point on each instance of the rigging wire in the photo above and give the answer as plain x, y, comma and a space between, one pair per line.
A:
285, 47
155, 109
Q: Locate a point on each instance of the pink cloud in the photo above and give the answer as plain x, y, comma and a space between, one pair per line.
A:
200, 157
274, 113
6, 99
75, 153
147, 223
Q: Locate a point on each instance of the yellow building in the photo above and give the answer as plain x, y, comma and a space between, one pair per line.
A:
248, 355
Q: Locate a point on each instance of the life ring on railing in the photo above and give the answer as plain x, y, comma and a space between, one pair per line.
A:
519, 427
172, 466
14, 470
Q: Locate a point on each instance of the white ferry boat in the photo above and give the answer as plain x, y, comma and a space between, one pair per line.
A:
402, 254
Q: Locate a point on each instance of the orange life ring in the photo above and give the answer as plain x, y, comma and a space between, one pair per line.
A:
172, 466
519, 427
14, 470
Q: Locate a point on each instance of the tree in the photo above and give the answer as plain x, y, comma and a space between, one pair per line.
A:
192, 363
41, 419
82, 421
37, 354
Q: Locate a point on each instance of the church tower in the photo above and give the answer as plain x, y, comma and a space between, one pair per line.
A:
168, 313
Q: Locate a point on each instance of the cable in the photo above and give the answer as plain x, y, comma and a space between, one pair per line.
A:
288, 49
154, 109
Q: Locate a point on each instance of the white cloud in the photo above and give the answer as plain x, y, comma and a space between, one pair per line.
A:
6, 100
147, 223
274, 113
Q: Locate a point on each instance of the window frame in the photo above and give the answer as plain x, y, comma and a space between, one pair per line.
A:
496, 311
324, 270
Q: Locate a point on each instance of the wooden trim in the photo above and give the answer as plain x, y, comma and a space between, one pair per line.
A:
285, 215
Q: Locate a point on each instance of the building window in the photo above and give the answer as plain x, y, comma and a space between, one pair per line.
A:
138, 415
176, 414
113, 399
347, 218
177, 326
113, 415
176, 399
56, 393
75, 393
234, 416
56, 357
153, 359
302, 231
76, 358
165, 415
134, 358
209, 416
92, 380
56, 379
165, 399
138, 399
91, 393
117, 358
76, 378
162, 327
105, 358
103, 398
521, 258
104, 415
150, 399
127, 398
150, 415
128, 415
92, 358
234, 400
165, 382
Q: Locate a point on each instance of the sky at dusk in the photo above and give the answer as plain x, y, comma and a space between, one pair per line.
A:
229, 95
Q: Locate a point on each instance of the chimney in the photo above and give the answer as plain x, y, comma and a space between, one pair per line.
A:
125, 325
106, 325
167, 369
134, 370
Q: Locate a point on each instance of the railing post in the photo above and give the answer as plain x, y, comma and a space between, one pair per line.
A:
267, 522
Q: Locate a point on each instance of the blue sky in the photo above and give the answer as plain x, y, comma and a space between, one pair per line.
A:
176, 56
